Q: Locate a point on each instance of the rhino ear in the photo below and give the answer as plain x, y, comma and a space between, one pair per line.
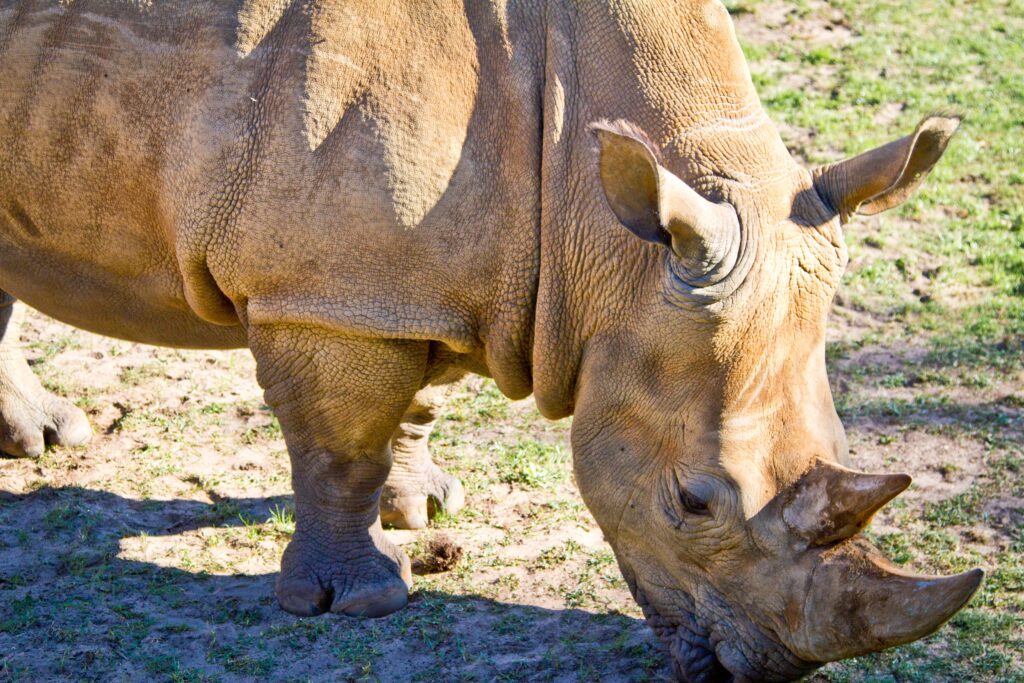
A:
885, 176
659, 207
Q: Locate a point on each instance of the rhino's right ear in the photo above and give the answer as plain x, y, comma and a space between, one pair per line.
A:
885, 177
658, 206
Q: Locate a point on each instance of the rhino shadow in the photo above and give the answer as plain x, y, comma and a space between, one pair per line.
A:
72, 609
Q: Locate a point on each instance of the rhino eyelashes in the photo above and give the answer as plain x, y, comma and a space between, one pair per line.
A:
688, 505
679, 502
693, 504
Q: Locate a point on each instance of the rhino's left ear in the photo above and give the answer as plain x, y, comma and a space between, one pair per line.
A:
885, 176
658, 206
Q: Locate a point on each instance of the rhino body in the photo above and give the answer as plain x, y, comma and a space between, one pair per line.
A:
584, 202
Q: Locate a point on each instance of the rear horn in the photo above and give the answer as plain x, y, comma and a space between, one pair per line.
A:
831, 503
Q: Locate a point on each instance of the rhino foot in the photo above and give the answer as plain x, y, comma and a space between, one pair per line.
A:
411, 498
31, 417
368, 578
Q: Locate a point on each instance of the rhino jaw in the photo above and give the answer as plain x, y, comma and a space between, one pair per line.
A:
708, 641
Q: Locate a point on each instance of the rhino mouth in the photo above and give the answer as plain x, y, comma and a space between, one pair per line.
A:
694, 659
689, 644
705, 651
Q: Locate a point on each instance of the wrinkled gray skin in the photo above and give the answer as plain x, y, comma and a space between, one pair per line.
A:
377, 198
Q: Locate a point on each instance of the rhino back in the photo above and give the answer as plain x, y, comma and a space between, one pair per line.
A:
96, 125
351, 164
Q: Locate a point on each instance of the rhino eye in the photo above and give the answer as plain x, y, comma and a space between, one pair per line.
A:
693, 504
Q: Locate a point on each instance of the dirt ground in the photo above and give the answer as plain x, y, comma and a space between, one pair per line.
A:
150, 552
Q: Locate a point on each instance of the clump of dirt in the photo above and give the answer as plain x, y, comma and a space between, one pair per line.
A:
439, 554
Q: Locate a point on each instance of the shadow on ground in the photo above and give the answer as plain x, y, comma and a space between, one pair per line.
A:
67, 593
998, 418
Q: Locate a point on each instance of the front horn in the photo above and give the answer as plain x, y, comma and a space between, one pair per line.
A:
859, 603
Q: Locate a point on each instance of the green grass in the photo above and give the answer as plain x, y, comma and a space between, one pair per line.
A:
531, 464
970, 214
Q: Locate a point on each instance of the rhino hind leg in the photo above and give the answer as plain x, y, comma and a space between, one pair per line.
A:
417, 489
30, 416
339, 400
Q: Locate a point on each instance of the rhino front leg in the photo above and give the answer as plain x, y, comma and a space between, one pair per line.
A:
30, 416
417, 488
339, 400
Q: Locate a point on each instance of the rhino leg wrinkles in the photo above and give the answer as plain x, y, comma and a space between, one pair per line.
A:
417, 489
339, 400
30, 416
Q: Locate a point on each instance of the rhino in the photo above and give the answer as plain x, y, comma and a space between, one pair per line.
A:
584, 201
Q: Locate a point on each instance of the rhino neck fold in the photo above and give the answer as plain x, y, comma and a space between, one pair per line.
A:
704, 115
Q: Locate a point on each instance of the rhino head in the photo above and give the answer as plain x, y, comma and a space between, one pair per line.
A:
706, 441
686, 275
